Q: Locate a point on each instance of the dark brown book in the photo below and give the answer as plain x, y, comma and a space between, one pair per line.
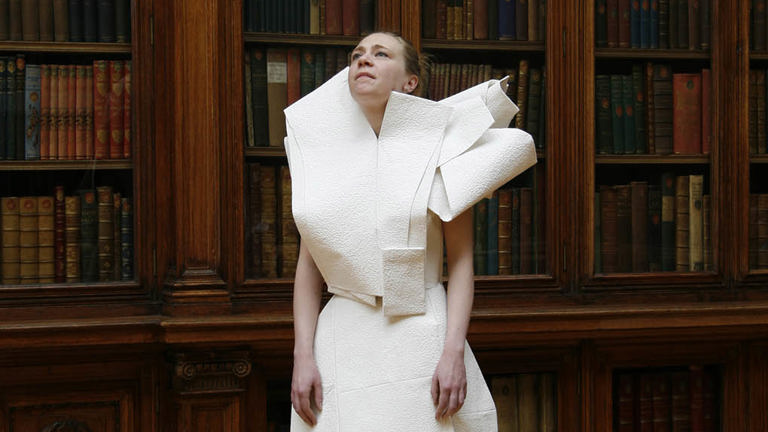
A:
672, 24
623, 228
654, 228
4, 23
59, 235
752, 109
14, 20
253, 215
526, 231
333, 17
122, 21
46, 232
80, 113
683, 25
706, 110
277, 94
89, 236
625, 27
681, 401
127, 126
662, 403
429, 19
45, 17
533, 20
709, 262
650, 112
694, 24
662, 109
612, 17
71, 120
753, 238
61, 20
639, 209
682, 223
115, 102
28, 240
608, 221
521, 19
106, 232
441, 19
350, 17
117, 246
480, 19
289, 235
522, 95
686, 117
762, 231
696, 222
105, 25
9, 249
625, 407
30, 20
505, 231
268, 225
72, 238
101, 82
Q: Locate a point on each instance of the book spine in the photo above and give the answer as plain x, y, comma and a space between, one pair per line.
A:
624, 228
60, 20
350, 17
46, 20
117, 244
683, 25
9, 222
668, 220
681, 401
480, 19
19, 94
307, 71
654, 228
686, 116
90, 32
127, 124
682, 223
626, 397
75, 20
277, 80
53, 112
249, 134
694, 24
333, 17
522, 95
259, 97
115, 102
515, 233
662, 107
59, 235
674, 24
533, 20
504, 243
10, 124
289, 234
639, 211
30, 21
46, 239
89, 254
617, 113
641, 135
625, 23
492, 235
101, 81
662, 403
526, 230
493, 19
663, 24
268, 222
105, 12
80, 112
62, 120
3, 107
696, 222
28, 240
650, 110
105, 232
506, 20
71, 122
654, 32
32, 113
521, 19
89, 113
253, 239
628, 100
645, 24
14, 20
601, 24
72, 224
4, 21
706, 24
534, 103
634, 24
126, 241
122, 21
608, 221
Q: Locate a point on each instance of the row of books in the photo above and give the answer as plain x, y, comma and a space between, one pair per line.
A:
272, 239
654, 111
641, 227
274, 79
758, 94
522, 20
674, 400
66, 20
67, 112
665, 24
758, 231
526, 87
525, 402
318, 17
758, 21
85, 237
509, 231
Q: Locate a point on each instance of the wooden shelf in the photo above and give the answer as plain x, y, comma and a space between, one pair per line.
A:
86, 48
57, 165
300, 39
758, 55
484, 45
651, 159
758, 159
660, 54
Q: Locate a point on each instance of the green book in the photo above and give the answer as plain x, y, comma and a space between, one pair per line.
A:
603, 110
641, 135
629, 114
89, 255
617, 113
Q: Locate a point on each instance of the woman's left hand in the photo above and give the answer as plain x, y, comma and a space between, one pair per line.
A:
449, 384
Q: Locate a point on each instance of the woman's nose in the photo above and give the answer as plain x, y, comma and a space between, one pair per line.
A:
364, 59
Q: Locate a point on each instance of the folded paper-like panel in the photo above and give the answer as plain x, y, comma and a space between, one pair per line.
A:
467, 123
403, 278
493, 93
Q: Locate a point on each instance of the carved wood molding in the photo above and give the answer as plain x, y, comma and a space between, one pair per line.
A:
211, 372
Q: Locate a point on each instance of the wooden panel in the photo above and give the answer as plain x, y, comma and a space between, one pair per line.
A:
220, 414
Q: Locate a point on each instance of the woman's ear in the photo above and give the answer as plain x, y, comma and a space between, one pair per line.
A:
411, 84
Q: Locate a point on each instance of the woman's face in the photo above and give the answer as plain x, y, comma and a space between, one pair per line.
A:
377, 68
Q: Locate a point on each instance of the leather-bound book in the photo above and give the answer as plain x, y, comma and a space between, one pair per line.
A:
753, 237
682, 223
493, 19
293, 86
89, 112
10, 99
644, 23
709, 264
441, 18
662, 108
601, 24
268, 226
639, 218
505, 231
686, 117
480, 223
696, 222
89, 226
623, 228
61, 20
31, 105
604, 118
117, 246
45, 17
116, 102
674, 24
71, 121
533, 20
105, 232
277, 94
706, 24
654, 228
289, 234
429, 19
319, 68
650, 128
480, 19
628, 102
526, 231
521, 19
19, 95
507, 20
625, 23
617, 113
460, 19
612, 31
683, 25
14, 20
28, 241
4, 95
762, 231
681, 400
46, 239
30, 20
53, 113
127, 125
638, 93
706, 111
350, 17
90, 25
4, 21
515, 232
9, 252
126, 240
314, 17
307, 71
662, 402
608, 245
258, 80
59, 235
105, 13
122, 21
101, 82
80, 112
333, 17
534, 103
76, 20
522, 95
253, 218
72, 238
694, 24
492, 235
62, 119
668, 222
469, 20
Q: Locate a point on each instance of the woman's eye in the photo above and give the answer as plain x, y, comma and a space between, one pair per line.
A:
381, 54
355, 56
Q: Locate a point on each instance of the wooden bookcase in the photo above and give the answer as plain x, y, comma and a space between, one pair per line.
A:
194, 342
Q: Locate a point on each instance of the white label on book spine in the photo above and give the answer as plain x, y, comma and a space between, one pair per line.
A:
277, 72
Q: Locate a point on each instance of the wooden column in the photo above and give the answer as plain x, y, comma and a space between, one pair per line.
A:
200, 80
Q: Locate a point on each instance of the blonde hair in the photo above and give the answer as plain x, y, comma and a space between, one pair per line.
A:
416, 63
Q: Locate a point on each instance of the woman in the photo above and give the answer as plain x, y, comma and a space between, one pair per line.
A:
379, 179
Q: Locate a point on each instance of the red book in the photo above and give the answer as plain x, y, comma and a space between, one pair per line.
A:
71, 113
89, 140
706, 111
45, 111
480, 19
294, 75
625, 27
101, 82
333, 17
127, 110
115, 102
80, 112
62, 113
350, 18
686, 115
612, 12
59, 243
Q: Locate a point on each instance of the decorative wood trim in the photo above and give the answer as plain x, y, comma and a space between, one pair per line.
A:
211, 372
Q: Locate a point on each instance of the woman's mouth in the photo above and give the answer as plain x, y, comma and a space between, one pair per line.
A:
364, 75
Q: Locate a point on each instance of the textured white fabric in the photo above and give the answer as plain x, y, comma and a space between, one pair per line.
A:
440, 156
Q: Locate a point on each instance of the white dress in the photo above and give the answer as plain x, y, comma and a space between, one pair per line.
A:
369, 210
